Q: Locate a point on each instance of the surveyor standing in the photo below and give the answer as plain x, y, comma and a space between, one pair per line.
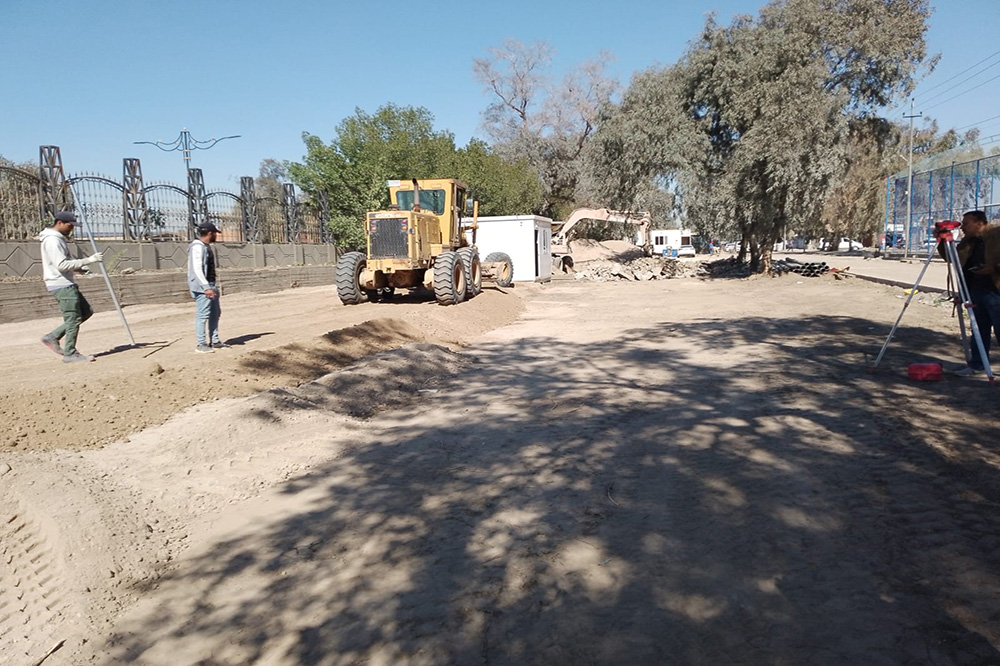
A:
57, 271
983, 281
204, 290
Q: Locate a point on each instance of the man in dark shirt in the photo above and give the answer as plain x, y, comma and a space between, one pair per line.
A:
983, 280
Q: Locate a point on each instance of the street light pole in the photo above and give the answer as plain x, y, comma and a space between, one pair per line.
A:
186, 143
909, 184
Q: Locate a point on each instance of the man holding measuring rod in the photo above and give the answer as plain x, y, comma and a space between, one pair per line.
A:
57, 270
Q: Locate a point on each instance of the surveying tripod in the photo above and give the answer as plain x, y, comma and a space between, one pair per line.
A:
943, 232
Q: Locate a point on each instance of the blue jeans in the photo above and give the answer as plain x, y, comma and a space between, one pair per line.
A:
207, 311
987, 309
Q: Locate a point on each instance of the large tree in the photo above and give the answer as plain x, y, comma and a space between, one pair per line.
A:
545, 123
752, 126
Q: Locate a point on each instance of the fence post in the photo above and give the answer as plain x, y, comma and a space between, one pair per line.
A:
290, 206
976, 207
951, 194
134, 201
930, 203
54, 193
197, 207
248, 205
889, 237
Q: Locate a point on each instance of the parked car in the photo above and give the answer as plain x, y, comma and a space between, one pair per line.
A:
847, 244
686, 251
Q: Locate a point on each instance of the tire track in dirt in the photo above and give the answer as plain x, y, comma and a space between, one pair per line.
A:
32, 602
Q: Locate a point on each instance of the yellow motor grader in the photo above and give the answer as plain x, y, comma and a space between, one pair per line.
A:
421, 241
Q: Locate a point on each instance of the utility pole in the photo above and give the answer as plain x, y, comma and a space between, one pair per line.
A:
186, 143
909, 184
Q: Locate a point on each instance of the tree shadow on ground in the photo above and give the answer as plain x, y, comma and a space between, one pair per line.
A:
634, 501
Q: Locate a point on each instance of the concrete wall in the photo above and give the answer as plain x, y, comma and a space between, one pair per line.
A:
24, 299
23, 259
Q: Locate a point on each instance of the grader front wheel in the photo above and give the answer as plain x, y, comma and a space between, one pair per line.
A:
449, 279
349, 268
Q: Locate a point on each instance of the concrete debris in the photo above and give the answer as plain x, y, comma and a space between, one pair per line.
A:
634, 267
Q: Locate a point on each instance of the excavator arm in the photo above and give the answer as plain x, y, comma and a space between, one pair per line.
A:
560, 230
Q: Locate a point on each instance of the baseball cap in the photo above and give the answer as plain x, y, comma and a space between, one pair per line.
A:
206, 227
66, 216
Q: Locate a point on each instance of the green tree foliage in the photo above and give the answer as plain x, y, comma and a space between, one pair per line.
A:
753, 125
501, 187
401, 143
367, 150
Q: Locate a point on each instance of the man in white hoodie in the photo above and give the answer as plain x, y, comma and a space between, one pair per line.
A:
201, 276
58, 269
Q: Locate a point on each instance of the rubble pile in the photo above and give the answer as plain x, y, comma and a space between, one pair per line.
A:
632, 266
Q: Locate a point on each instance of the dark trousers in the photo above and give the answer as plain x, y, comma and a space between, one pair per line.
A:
75, 310
987, 308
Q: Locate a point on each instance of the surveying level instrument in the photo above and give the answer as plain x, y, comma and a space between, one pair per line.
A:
943, 232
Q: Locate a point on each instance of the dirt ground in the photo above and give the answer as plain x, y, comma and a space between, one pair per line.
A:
674, 472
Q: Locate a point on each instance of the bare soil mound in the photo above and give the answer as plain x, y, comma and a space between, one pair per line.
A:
51, 405
586, 249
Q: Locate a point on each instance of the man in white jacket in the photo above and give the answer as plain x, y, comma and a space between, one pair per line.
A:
204, 290
58, 269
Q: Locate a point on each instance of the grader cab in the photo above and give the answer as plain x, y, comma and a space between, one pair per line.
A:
421, 241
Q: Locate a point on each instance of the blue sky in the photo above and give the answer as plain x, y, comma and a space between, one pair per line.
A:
93, 77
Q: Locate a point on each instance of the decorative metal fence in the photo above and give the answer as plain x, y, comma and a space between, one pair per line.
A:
19, 201
131, 210
940, 194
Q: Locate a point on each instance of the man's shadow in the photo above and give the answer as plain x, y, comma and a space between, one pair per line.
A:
243, 339
163, 344
138, 345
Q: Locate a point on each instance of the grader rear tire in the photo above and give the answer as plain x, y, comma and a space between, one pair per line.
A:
473, 271
505, 276
449, 279
348, 275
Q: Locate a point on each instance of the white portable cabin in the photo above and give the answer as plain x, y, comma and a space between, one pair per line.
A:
527, 239
664, 238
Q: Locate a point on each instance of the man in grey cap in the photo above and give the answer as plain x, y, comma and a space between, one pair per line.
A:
57, 270
202, 284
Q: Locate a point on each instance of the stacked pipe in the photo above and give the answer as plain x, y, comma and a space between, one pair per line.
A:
808, 269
